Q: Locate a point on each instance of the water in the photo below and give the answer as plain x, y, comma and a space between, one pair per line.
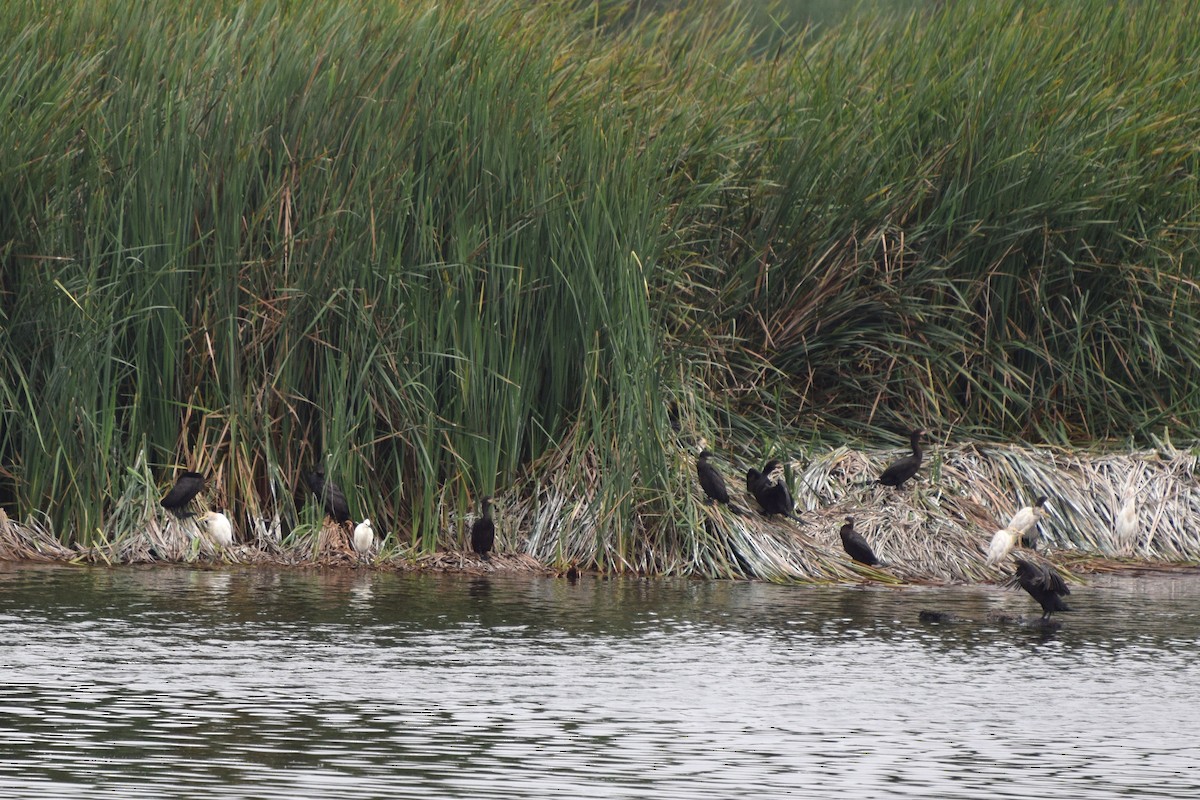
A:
169, 682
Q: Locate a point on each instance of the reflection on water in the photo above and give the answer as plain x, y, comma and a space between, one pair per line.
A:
254, 683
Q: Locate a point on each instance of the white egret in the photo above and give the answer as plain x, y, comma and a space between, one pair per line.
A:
1002, 543
364, 537
1027, 517
218, 528
1126, 527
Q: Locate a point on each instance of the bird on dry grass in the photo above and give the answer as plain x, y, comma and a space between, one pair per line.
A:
329, 495
1126, 527
1002, 544
483, 532
770, 489
364, 538
218, 528
1028, 516
904, 468
856, 546
1043, 584
711, 481
186, 487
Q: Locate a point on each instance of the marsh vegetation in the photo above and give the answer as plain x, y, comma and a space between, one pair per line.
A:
456, 249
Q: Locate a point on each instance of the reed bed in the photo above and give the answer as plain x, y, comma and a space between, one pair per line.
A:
936, 529
463, 248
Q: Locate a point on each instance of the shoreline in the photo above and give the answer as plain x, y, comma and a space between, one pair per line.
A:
1077, 566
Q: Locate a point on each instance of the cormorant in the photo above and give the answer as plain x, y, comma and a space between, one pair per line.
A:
329, 494
855, 545
218, 527
773, 494
1028, 516
186, 487
711, 481
755, 482
1043, 584
483, 532
364, 537
1002, 542
904, 468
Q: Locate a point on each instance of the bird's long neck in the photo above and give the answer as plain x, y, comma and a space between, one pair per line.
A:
916, 444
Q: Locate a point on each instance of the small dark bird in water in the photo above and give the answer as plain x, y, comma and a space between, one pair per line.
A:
904, 468
773, 494
186, 487
331, 497
1043, 584
711, 481
855, 545
483, 532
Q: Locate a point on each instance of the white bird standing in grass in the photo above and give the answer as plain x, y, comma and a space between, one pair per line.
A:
364, 537
1002, 544
1027, 517
218, 528
1126, 527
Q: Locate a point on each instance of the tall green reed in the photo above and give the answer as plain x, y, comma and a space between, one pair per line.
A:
458, 249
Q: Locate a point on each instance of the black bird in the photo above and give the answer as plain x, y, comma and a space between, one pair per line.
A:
904, 468
856, 546
711, 481
186, 487
773, 495
329, 494
755, 482
1043, 584
483, 532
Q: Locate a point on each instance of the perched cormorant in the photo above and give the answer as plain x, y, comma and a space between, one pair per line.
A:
904, 468
1002, 542
186, 487
1028, 516
755, 482
1043, 584
711, 481
364, 537
329, 494
773, 494
218, 527
855, 545
483, 532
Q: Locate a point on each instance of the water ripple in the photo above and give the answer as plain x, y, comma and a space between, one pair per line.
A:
172, 683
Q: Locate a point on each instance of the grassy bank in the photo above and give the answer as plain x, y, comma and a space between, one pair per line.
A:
464, 248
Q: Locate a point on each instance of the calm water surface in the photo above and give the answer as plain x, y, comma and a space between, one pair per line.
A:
171, 682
